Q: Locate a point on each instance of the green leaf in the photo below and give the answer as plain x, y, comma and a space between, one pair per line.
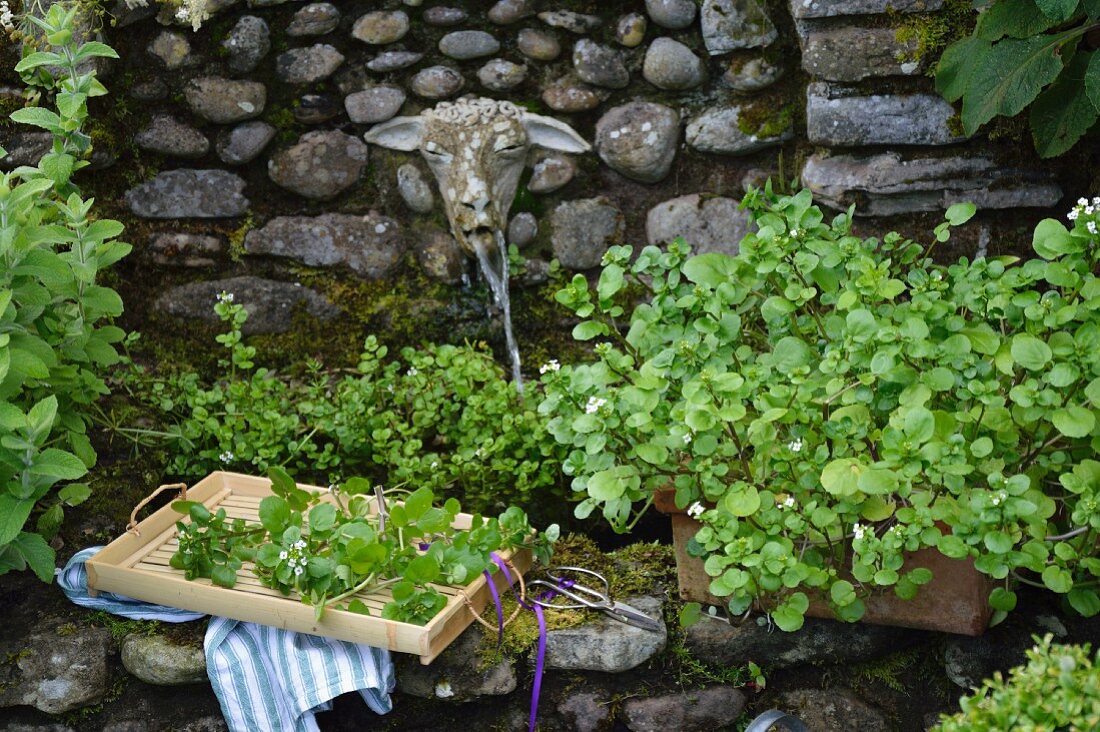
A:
1002, 599
1057, 579
74, 494
422, 570
878, 481
1092, 81
690, 614
13, 516
95, 49
652, 453
38, 117
606, 485
843, 593
274, 514
223, 575
952, 546
1051, 240
744, 502
791, 353
1010, 76
1030, 352
960, 213
981, 447
1063, 113
54, 463
589, 329
1058, 11
710, 270
37, 554
998, 542
1084, 601
39, 58
1015, 18
791, 614
322, 517
841, 477
1074, 421
956, 66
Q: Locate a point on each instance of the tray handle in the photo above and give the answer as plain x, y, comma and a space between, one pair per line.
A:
132, 527
519, 605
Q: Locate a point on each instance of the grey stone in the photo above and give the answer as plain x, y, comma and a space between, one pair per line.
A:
586, 711
171, 49
673, 14
315, 19
23, 147
535, 272
750, 75
599, 65
444, 16
833, 709
373, 105
506, 12
320, 165
370, 245
732, 24
183, 193
414, 190
580, 232
313, 109
819, 642
270, 304
393, 60
244, 143
639, 140
26, 727
538, 45
436, 82
707, 223
149, 91
854, 53
381, 27
570, 94
439, 255
181, 249
888, 183
522, 229
501, 75
225, 101
308, 65
671, 65
834, 117
578, 23
829, 8
157, 660
969, 660
467, 44
246, 44
603, 644
630, 30
551, 172
455, 675
56, 672
699, 710
718, 130
169, 136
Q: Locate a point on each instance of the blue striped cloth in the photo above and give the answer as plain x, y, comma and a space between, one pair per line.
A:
266, 679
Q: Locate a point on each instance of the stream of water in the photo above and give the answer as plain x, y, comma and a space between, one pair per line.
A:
498, 283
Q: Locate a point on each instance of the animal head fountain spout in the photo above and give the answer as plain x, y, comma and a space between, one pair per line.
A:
476, 148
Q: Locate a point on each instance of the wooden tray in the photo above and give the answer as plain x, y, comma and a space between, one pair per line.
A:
137, 566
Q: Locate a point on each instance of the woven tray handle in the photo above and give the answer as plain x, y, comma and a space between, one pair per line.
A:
132, 527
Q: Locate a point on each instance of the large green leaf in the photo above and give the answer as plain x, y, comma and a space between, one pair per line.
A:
1092, 80
1063, 113
957, 64
1058, 11
1013, 18
37, 554
1010, 76
13, 515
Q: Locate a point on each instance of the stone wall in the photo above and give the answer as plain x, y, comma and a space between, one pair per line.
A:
237, 151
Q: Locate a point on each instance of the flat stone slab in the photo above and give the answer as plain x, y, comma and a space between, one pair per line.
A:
854, 53
718, 130
830, 8
370, 245
457, 675
708, 223
889, 183
698, 710
55, 671
605, 644
582, 230
185, 193
838, 118
270, 303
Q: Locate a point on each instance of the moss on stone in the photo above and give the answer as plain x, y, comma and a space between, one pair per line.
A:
762, 120
931, 33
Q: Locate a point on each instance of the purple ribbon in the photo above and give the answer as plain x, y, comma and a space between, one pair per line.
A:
540, 661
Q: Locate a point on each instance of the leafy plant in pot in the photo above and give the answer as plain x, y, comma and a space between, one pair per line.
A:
826, 407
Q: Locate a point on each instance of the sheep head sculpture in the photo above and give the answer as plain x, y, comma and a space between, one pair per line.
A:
476, 148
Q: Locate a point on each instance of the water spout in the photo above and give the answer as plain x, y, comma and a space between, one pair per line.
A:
498, 284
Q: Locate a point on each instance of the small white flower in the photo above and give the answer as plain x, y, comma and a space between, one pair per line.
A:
283, 554
1096, 201
858, 530
292, 563
998, 498
7, 19
300, 544
435, 464
182, 14
795, 445
1072, 215
224, 296
1082, 202
1091, 226
1089, 210
594, 405
298, 571
226, 457
551, 365
785, 501
695, 510
687, 438
796, 233
412, 371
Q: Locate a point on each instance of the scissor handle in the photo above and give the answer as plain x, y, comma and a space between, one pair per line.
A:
581, 570
577, 593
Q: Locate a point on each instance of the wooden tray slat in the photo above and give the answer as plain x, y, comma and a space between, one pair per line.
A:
137, 566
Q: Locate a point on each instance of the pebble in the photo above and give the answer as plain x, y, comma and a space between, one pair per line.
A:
246, 44
581, 231
381, 27
444, 16
707, 223
600, 65
315, 19
630, 30
171, 49
672, 14
183, 193
439, 255
732, 24
156, 660
501, 75
436, 82
672, 66
223, 101
551, 173
313, 109
538, 45
308, 65
321, 165
467, 44
752, 75
393, 60
718, 130
244, 143
522, 229
573, 22
569, 94
506, 12
414, 190
375, 104
168, 136
371, 245
639, 140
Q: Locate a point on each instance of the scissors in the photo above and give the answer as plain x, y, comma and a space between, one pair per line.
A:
580, 597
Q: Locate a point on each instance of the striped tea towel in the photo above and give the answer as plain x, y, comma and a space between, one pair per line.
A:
266, 679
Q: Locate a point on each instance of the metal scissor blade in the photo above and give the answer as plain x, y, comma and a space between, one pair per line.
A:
626, 614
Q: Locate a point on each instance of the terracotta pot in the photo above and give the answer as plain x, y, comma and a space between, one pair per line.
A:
955, 601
